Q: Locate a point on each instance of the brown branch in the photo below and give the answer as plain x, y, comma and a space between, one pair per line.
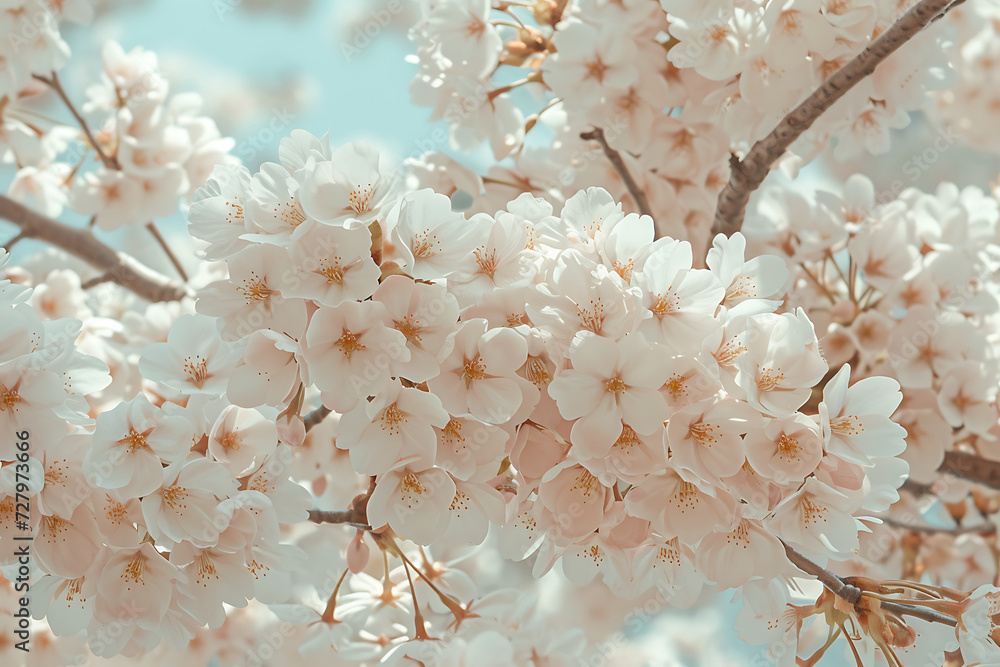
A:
349, 517
748, 173
53, 82
597, 134
835, 584
356, 516
983, 529
902, 609
117, 267
166, 249
315, 417
971, 467
851, 594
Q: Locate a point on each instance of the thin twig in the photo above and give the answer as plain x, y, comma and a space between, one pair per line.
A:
983, 529
53, 82
17, 239
597, 134
117, 266
748, 173
316, 417
96, 280
902, 609
166, 248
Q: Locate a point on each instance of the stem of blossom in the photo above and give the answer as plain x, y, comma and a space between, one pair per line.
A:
834, 583
166, 248
53, 82
638, 196
331, 604
420, 626
119, 267
821, 286
815, 657
534, 77
748, 173
316, 417
850, 643
971, 467
456, 609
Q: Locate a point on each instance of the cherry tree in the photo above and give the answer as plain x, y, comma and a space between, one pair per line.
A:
415, 413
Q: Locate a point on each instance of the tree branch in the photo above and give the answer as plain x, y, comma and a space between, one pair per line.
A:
315, 417
851, 594
597, 134
835, 584
983, 529
749, 173
53, 83
971, 467
349, 517
356, 516
902, 609
116, 266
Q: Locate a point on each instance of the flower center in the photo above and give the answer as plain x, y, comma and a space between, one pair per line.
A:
704, 434
769, 379
487, 262
135, 440
412, 485
197, 370
348, 343
334, 274
473, 370
8, 398
360, 199
291, 214
391, 418
536, 372
585, 483
409, 327
847, 425
134, 569
174, 496
255, 289
615, 385
788, 446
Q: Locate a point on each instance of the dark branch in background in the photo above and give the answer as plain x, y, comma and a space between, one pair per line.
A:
983, 529
749, 173
597, 134
315, 417
971, 467
53, 83
116, 266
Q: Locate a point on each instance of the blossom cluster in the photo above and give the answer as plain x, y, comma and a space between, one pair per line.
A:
906, 288
566, 378
149, 151
726, 71
150, 516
